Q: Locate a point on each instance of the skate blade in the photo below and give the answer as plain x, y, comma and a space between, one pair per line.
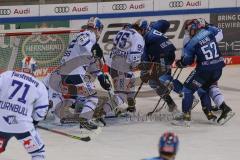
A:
181, 123
229, 116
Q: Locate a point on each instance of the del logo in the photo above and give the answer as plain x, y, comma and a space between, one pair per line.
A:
10, 119
45, 48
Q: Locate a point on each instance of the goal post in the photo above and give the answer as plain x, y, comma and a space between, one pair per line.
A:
45, 45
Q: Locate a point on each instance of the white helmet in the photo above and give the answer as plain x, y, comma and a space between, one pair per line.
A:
28, 65
95, 23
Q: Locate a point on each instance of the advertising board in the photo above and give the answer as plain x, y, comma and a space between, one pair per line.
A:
125, 6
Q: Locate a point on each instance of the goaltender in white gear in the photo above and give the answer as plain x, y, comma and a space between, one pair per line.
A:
23, 102
128, 46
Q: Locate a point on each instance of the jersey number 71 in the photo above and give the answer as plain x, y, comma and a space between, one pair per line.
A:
19, 85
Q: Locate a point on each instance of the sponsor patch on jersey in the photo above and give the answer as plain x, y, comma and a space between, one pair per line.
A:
10, 119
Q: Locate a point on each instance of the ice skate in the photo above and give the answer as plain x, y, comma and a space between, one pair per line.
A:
182, 120
226, 115
210, 116
87, 124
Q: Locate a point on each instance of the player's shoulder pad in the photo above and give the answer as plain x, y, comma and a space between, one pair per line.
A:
84, 37
199, 36
6, 73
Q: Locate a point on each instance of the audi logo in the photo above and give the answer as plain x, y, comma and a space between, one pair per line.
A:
176, 4
5, 11
64, 9
119, 7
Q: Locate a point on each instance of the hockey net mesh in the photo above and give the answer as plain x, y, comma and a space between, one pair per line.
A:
46, 46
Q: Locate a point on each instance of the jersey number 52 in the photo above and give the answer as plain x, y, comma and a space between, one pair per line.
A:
210, 51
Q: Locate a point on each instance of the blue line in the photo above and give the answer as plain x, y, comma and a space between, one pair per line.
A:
118, 15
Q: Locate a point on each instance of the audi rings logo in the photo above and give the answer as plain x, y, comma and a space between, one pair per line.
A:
119, 7
5, 11
176, 4
63, 9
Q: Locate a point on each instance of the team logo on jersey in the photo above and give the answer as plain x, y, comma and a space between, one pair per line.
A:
10, 119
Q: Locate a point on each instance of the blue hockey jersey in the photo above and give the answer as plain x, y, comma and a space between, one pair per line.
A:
203, 46
158, 46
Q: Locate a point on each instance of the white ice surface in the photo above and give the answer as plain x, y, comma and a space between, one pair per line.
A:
202, 141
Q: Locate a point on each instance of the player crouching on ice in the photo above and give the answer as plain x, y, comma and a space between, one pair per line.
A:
23, 103
204, 47
76, 83
168, 147
156, 63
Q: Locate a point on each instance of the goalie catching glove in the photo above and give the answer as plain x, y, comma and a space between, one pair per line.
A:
104, 81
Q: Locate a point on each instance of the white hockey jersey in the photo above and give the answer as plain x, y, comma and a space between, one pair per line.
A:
80, 45
128, 49
22, 99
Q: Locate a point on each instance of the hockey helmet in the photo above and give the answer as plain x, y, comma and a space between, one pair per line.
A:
96, 24
140, 25
168, 143
28, 65
161, 25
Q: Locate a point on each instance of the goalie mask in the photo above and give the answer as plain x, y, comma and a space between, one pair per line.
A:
95, 24
28, 65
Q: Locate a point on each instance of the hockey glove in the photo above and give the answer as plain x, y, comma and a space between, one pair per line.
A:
144, 76
104, 82
179, 64
35, 123
97, 51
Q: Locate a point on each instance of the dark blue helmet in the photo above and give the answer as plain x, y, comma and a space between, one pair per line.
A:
161, 26
168, 143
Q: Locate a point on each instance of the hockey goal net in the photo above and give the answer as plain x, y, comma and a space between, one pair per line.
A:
45, 45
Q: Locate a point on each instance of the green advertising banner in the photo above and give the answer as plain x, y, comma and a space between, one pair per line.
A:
46, 49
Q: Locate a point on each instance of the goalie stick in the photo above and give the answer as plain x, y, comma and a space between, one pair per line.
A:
85, 139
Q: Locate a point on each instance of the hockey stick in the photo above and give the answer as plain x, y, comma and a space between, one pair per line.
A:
113, 104
139, 88
150, 113
85, 139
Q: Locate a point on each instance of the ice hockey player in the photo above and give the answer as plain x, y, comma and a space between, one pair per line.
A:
168, 147
128, 46
84, 51
204, 47
23, 103
157, 60
214, 91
